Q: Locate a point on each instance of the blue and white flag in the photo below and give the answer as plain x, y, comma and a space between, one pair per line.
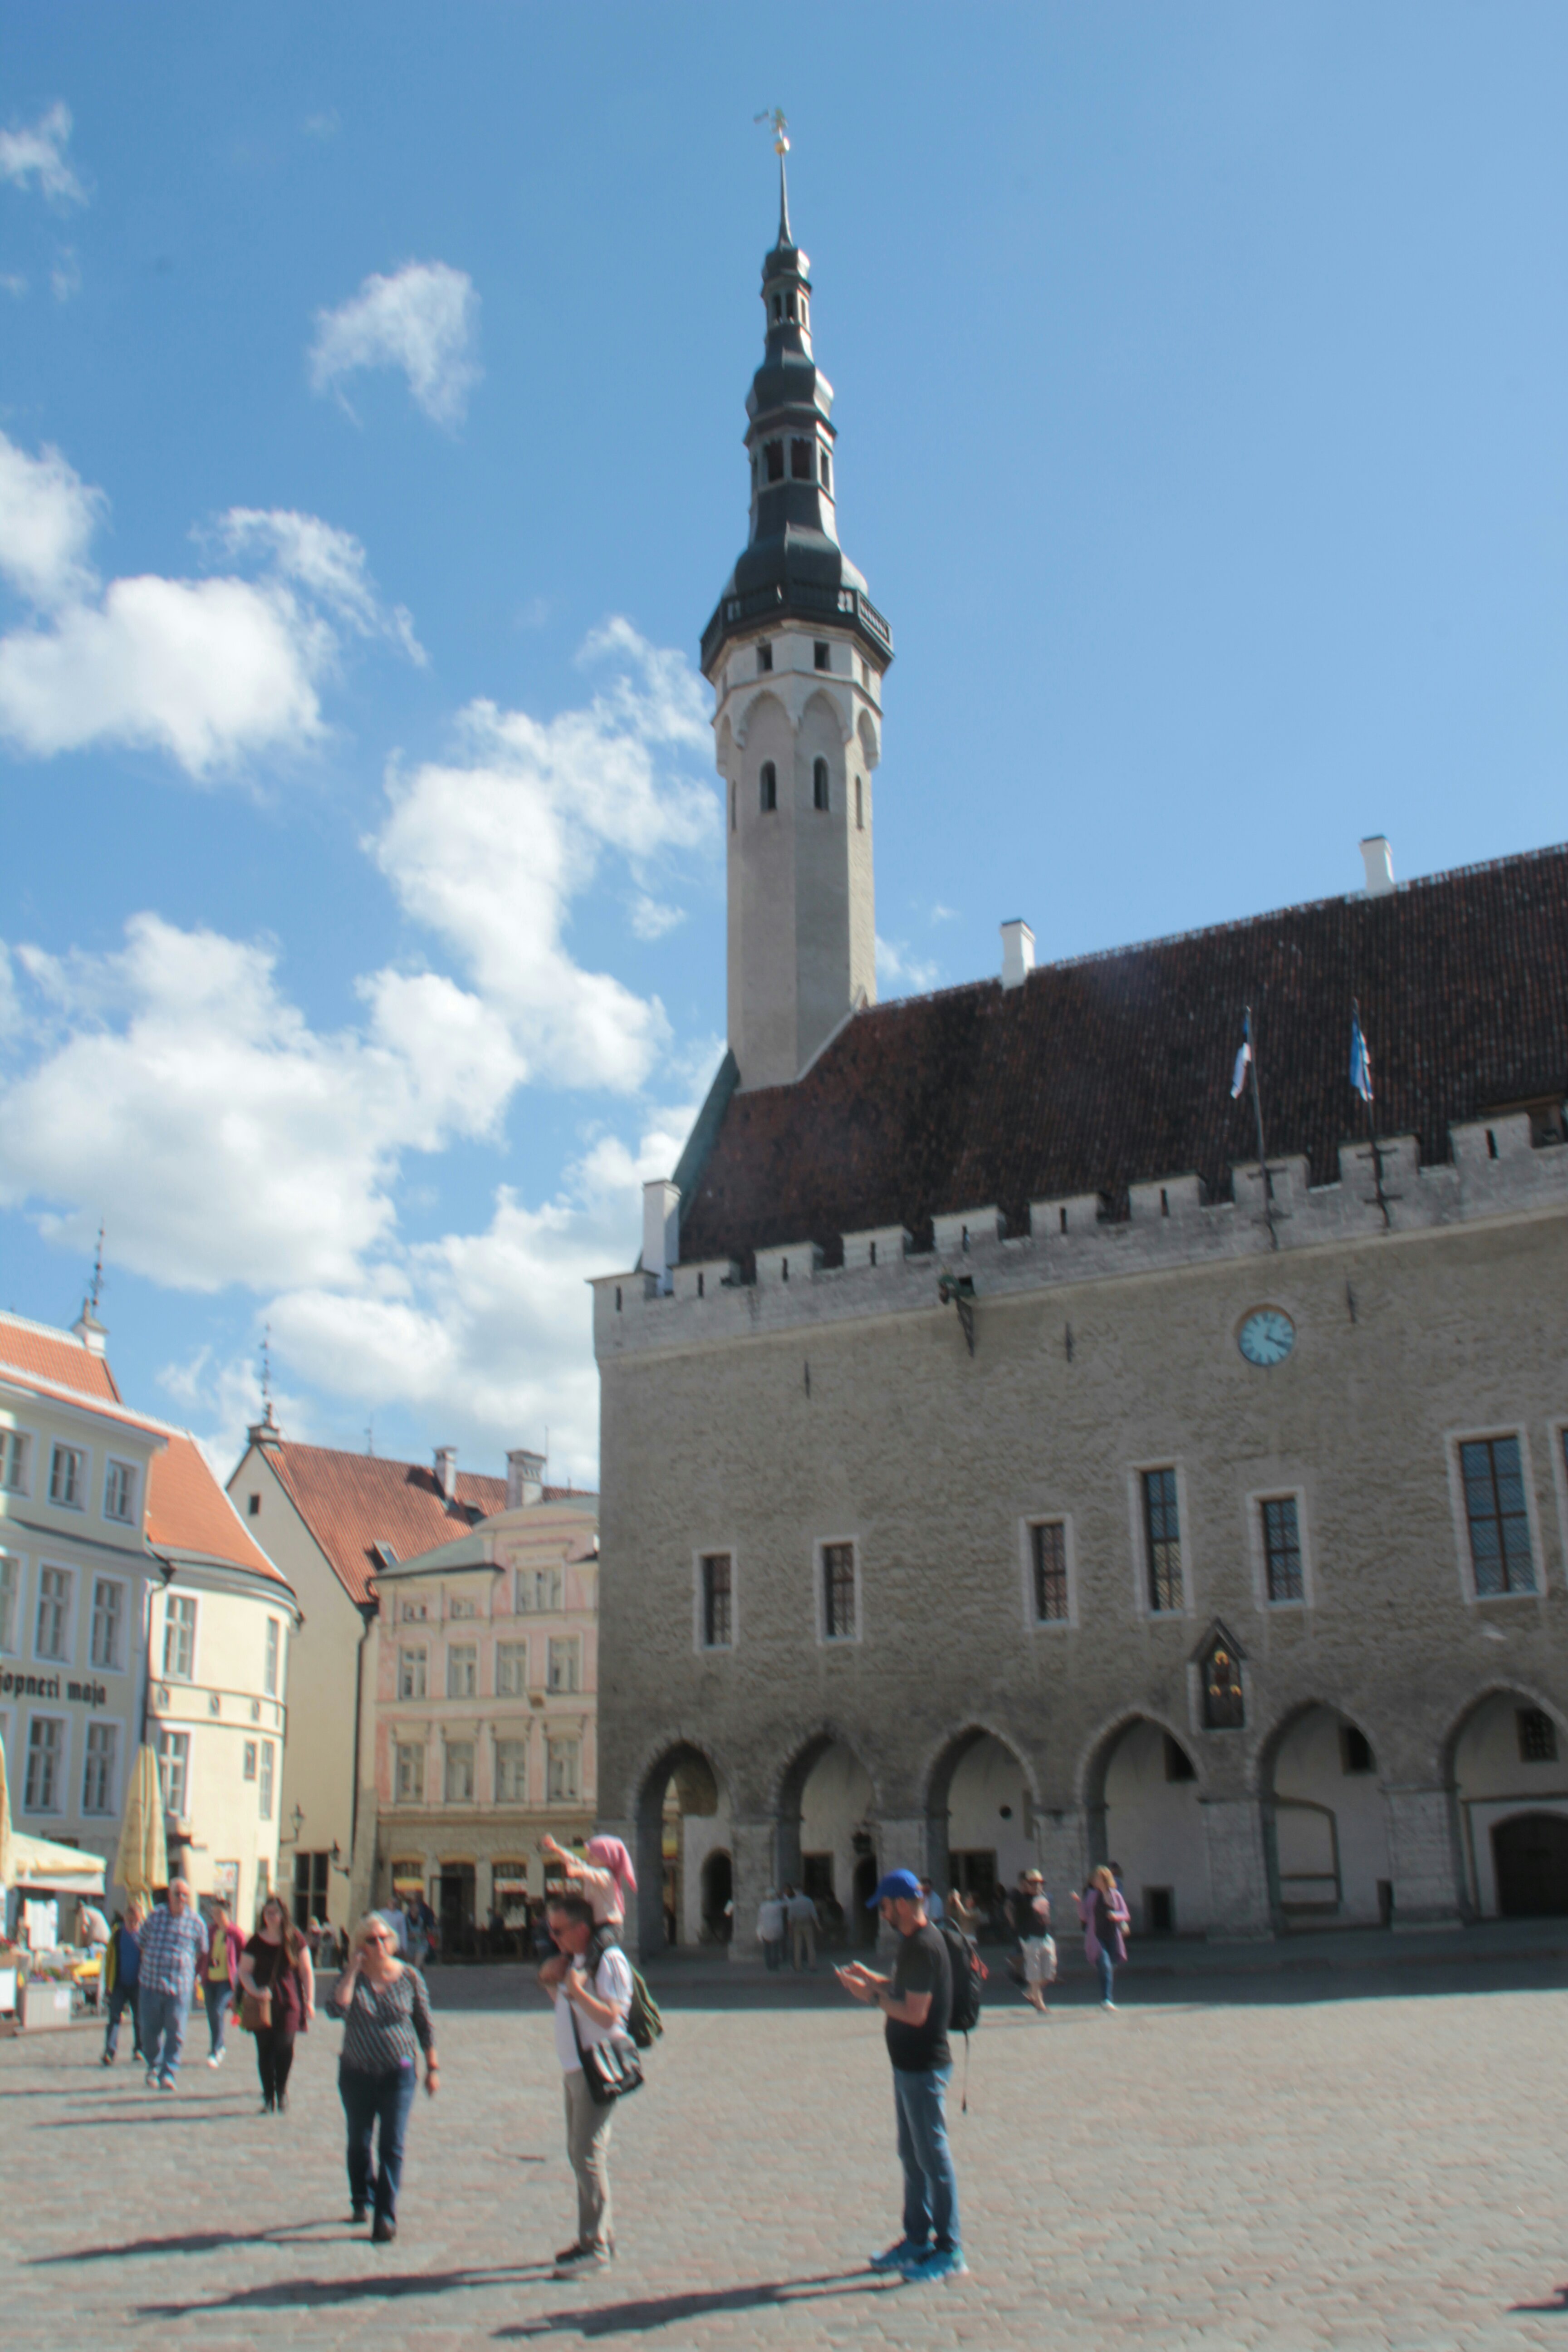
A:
1243, 1058
1361, 1058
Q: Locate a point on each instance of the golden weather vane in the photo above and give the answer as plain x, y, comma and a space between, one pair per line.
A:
773, 116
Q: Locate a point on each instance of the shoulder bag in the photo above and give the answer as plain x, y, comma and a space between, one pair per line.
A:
611, 2069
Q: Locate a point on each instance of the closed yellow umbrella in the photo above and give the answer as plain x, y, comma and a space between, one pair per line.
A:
5, 1825
142, 1862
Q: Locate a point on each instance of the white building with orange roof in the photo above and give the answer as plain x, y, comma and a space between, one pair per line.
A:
134, 1607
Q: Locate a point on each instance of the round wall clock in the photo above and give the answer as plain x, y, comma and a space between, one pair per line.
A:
1267, 1336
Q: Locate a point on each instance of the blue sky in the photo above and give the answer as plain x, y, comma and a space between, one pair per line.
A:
372, 382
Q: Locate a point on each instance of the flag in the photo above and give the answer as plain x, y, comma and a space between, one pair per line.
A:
1361, 1058
1243, 1058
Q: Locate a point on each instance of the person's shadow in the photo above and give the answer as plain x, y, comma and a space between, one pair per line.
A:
642, 2316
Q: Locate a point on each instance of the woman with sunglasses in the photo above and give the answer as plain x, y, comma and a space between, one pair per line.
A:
385, 2012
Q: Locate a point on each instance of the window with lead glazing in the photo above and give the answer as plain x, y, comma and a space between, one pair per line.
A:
46, 1747
1537, 1736
838, 1591
108, 1623
52, 1634
1282, 1548
1493, 1474
1162, 1539
179, 1636
1049, 1543
718, 1592
98, 1770
460, 1781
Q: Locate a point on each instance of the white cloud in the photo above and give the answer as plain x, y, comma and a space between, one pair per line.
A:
225, 1399
37, 152
900, 973
14, 283
64, 277
210, 671
651, 920
424, 320
488, 851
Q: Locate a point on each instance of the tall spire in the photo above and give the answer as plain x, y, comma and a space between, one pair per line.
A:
775, 119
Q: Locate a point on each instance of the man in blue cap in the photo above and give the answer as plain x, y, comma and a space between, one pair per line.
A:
917, 2001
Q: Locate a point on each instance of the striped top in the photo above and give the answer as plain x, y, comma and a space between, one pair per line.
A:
382, 2023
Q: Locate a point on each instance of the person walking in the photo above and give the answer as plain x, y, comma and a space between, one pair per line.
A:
173, 1946
936, 1908
1029, 1915
384, 2009
801, 1913
604, 1873
771, 1928
122, 1960
220, 1978
1105, 1919
917, 2002
275, 1970
590, 1982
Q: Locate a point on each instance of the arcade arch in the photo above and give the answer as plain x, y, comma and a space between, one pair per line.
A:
1323, 1797
1509, 1772
1144, 1817
980, 1816
682, 1819
824, 1836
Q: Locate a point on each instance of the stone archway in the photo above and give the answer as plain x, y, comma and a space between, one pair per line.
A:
981, 1809
682, 1813
825, 1828
1143, 1816
1507, 1761
1326, 1825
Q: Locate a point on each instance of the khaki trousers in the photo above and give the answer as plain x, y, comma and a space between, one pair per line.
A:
802, 1937
588, 2147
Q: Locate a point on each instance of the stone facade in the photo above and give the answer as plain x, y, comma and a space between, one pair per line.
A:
766, 1421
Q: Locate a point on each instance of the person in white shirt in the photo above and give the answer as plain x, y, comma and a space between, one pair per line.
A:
936, 1910
587, 2012
771, 1928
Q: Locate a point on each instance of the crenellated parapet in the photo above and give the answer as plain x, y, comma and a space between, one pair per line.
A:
1498, 1172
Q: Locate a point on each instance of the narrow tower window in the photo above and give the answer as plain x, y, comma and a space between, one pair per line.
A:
860, 806
764, 657
800, 461
819, 783
768, 788
822, 655
778, 306
789, 304
775, 461
826, 464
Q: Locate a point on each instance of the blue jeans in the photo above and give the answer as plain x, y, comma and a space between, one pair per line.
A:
218, 1998
931, 2184
370, 2099
163, 2017
1107, 1967
123, 1998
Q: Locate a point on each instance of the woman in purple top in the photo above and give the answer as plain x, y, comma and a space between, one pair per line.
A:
1104, 1911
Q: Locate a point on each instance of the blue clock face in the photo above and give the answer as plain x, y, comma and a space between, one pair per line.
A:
1267, 1337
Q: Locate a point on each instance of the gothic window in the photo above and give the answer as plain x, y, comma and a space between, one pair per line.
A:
775, 452
1493, 1474
768, 788
860, 806
718, 1593
1049, 1543
838, 1591
1537, 1736
1163, 1538
819, 783
1282, 1548
1224, 1708
800, 461
765, 659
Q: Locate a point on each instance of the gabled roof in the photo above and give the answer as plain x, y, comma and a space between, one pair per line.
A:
555, 1525
188, 1514
352, 1502
55, 1356
1115, 1069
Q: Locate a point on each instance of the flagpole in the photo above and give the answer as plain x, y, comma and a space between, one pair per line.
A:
1257, 1114
1371, 1122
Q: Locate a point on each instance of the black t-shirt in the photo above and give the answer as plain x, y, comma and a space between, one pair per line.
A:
921, 1966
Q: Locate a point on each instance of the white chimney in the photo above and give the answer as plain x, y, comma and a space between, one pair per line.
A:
1017, 954
1378, 859
660, 1229
525, 1478
446, 1470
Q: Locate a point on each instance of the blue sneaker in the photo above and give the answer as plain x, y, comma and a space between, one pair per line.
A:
896, 2257
941, 2261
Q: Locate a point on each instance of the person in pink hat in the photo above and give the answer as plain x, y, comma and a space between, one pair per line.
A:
604, 1874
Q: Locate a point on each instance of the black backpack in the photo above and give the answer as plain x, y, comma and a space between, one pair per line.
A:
969, 1973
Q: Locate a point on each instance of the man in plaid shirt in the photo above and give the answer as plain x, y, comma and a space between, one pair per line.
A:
173, 1947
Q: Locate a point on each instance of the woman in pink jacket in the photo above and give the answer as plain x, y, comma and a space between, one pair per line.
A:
1102, 1910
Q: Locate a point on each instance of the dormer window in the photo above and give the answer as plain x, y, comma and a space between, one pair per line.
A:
768, 788
774, 452
800, 461
819, 783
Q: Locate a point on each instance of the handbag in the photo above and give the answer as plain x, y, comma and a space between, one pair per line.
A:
611, 2069
256, 2012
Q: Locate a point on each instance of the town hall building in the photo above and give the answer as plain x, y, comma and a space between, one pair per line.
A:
1003, 1461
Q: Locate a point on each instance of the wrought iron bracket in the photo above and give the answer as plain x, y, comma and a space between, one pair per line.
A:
958, 1290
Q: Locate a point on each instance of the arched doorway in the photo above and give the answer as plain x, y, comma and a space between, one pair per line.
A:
1145, 1817
863, 1921
826, 1830
980, 1819
718, 1897
1509, 1774
1323, 1790
682, 1815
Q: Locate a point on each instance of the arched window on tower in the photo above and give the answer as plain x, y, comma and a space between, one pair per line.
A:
768, 788
819, 783
859, 805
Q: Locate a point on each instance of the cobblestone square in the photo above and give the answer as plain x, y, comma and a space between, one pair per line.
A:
1241, 2162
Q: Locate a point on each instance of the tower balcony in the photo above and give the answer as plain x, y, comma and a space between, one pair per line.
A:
848, 606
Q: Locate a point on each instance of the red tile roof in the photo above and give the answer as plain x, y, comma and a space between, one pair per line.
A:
352, 1502
187, 1510
1116, 1069
55, 1356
